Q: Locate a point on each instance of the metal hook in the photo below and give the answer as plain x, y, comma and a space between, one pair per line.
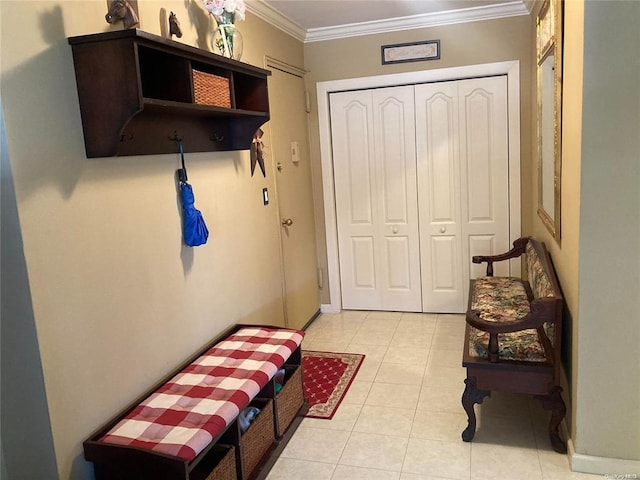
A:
181, 172
176, 137
216, 138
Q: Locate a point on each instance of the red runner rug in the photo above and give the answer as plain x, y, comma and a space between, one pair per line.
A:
326, 377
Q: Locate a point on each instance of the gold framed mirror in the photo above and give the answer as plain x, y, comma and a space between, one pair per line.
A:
549, 74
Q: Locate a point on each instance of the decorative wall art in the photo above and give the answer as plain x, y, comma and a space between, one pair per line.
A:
549, 59
411, 52
257, 156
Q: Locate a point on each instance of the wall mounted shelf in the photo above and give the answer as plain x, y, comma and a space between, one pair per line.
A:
136, 92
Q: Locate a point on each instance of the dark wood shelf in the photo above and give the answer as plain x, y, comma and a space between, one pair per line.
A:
196, 109
136, 92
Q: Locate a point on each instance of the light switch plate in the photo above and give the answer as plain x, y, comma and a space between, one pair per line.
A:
295, 152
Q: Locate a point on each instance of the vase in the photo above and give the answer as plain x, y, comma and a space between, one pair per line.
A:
227, 39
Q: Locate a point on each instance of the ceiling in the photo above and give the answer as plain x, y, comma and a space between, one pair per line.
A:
314, 20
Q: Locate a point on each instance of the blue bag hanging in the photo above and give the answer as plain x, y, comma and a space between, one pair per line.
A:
195, 231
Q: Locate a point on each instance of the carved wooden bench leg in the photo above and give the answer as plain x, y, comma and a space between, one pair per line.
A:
554, 402
470, 397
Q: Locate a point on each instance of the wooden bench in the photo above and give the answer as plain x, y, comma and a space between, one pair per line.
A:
191, 425
513, 336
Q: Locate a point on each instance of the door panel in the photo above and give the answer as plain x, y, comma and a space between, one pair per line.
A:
358, 182
364, 271
463, 184
294, 196
395, 160
399, 276
439, 196
375, 188
485, 170
445, 252
356, 214
391, 154
440, 131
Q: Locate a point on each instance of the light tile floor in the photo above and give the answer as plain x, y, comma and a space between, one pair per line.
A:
402, 417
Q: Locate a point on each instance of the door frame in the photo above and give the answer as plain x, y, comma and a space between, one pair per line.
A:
511, 69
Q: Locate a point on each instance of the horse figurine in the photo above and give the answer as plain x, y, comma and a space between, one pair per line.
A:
174, 26
122, 10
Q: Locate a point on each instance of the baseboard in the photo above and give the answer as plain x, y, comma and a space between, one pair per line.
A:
613, 467
329, 308
311, 320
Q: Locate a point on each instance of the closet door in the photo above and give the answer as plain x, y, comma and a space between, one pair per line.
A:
484, 156
373, 136
438, 153
463, 184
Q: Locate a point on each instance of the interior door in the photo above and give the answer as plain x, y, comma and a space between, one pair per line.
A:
484, 162
463, 184
376, 198
289, 140
438, 152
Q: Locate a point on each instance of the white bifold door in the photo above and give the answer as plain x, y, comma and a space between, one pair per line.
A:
463, 184
376, 198
421, 185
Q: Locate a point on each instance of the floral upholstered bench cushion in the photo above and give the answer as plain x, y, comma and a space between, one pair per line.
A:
501, 299
538, 279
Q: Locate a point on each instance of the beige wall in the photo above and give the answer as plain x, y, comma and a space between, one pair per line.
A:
464, 44
117, 300
600, 245
608, 369
565, 252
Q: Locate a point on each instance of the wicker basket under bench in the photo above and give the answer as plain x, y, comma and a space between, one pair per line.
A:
232, 455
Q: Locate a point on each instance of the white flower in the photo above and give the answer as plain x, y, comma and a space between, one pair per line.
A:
219, 7
240, 9
230, 6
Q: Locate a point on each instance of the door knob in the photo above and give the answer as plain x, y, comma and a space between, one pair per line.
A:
287, 222
443, 229
394, 229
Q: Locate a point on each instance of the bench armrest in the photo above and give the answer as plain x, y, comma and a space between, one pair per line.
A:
518, 249
542, 310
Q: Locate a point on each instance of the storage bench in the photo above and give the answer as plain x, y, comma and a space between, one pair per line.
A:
289, 399
513, 335
187, 426
255, 442
219, 464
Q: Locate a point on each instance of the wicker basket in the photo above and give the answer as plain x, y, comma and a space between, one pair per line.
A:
218, 464
289, 399
209, 89
260, 435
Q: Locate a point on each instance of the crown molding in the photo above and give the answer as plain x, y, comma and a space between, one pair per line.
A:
529, 4
266, 12
472, 14
272, 16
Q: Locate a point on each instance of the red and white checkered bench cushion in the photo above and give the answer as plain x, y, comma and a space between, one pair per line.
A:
184, 416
